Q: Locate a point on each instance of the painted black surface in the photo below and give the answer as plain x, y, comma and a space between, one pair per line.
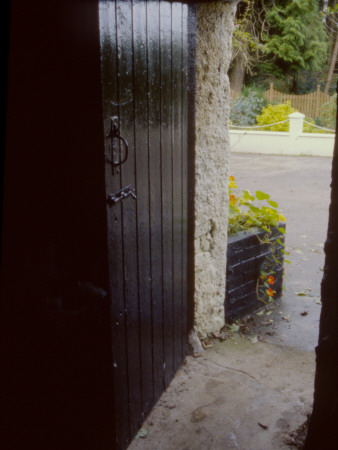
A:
57, 323
145, 69
55, 333
247, 255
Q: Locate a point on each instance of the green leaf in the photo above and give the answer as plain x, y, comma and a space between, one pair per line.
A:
273, 204
262, 196
254, 209
281, 230
233, 211
247, 196
288, 262
265, 228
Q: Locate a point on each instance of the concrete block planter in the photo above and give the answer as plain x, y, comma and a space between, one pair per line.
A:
249, 252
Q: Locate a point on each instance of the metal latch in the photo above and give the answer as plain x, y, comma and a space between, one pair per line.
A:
123, 193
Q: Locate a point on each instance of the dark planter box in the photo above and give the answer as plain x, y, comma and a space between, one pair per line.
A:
247, 256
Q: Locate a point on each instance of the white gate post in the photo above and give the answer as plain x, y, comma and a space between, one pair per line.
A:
296, 124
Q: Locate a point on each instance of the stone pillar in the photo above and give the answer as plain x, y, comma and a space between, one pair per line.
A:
215, 22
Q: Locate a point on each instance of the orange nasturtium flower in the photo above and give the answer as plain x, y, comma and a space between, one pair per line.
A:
233, 200
271, 279
232, 184
269, 292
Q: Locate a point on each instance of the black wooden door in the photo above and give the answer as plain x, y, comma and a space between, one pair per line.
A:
144, 47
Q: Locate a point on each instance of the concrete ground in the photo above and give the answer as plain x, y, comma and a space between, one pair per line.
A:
252, 390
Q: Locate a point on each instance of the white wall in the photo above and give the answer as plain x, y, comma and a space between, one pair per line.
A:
273, 143
293, 142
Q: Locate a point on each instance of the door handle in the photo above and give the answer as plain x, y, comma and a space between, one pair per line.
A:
114, 133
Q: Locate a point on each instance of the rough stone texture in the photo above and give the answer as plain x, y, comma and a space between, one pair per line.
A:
195, 343
214, 32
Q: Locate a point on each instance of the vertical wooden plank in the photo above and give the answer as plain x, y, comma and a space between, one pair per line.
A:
166, 150
176, 64
306, 106
191, 97
110, 88
129, 219
184, 172
271, 93
317, 101
142, 188
155, 197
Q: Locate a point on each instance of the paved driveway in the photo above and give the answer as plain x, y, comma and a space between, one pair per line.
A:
301, 187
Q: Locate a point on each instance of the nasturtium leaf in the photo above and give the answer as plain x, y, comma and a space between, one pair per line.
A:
273, 204
254, 209
232, 211
247, 196
262, 196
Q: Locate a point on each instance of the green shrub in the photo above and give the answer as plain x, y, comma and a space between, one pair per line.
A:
328, 112
309, 129
274, 114
247, 106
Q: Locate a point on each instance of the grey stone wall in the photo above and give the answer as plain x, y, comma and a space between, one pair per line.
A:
215, 22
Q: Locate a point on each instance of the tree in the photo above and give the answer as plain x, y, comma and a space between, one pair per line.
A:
296, 37
278, 37
247, 44
330, 10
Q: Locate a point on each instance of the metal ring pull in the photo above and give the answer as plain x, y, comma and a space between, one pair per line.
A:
114, 133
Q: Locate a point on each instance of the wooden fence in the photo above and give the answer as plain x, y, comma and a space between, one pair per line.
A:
308, 104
